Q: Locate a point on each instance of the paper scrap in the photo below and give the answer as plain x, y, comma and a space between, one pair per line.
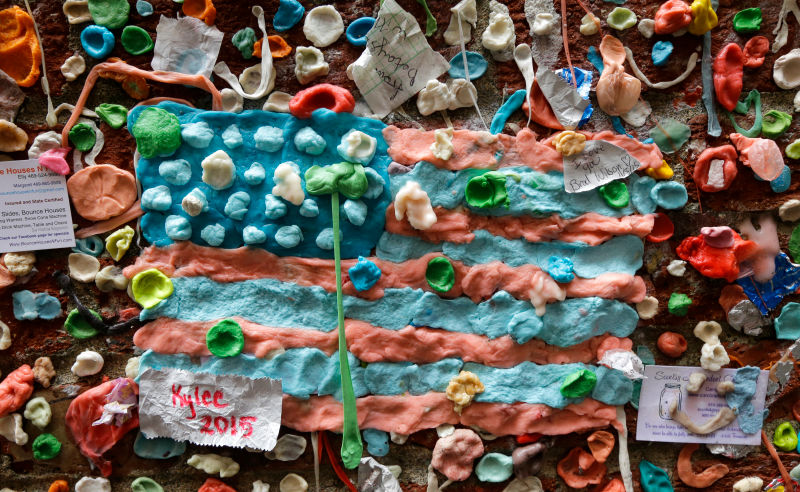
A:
599, 163
397, 62
34, 208
208, 409
567, 103
186, 45
663, 384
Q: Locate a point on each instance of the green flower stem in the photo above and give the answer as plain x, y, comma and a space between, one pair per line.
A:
352, 448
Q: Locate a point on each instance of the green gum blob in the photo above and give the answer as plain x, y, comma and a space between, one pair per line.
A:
151, 287
615, 194
440, 274
487, 191
77, 326
46, 447
157, 132
775, 123
344, 177
621, 18
785, 437
145, 484
225, 339
747, 21
679, 304
578, 384
82, 137
670, 135
136, 41
244, 39
112, 14
742, 107
793, 150
114, 115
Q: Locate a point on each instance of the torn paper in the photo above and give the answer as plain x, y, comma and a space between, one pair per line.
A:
208, 409
398, 61
598, 164
186, 45
564, 99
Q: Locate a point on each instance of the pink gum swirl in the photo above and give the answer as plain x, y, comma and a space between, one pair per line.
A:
370, 343
478, 282
478, 149
456, 226
407, 414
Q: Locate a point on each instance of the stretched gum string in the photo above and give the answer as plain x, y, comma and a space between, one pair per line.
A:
199, 81
566, 43
788, 483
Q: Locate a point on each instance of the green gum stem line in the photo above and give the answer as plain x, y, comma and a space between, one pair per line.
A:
430, 20
352, 448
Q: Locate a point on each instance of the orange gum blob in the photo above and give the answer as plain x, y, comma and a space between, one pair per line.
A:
277, 46
59, 486
671, 344
102, 191
755, 50
700, 480
579, 469
199, 81
601, 443
672, 16
20, 54
542, 112
617, 92
728, 70
201, 9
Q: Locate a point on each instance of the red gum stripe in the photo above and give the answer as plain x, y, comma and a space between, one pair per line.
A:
373, 344
479, 282
457, 227
407, 414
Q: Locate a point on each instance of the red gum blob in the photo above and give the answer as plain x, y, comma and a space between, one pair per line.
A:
15, 389
663, 229
579, 469
214, 485
614, 485
700, 480
672, 16
337, 99
762, 155
671, 344
542, 112
728, 71
601, 443
726, 153
716, 262
755, 50
94, 440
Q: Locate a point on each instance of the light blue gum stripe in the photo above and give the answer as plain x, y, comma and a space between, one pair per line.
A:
530, 192
308, 371
271, 302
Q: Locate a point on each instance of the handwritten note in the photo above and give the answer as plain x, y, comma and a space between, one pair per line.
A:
208, 409
398, 61
664, 384
34, 208
598, 164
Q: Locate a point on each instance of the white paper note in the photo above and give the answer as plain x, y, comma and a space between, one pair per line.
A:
397, 62
208, 409
34, 208
663, 384
568, 105
598, 164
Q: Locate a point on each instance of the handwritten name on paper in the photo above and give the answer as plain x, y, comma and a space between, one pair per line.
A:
203, 408
598, 164
398, 61
664, 385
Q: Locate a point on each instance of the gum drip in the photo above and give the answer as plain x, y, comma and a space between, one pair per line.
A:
199, 81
